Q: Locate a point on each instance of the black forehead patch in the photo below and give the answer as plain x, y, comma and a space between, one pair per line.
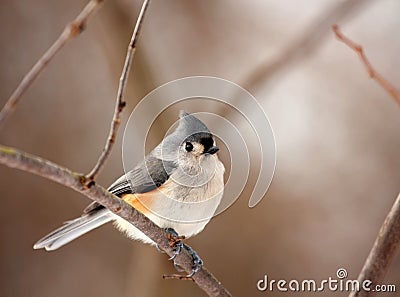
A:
207, 142
206, 139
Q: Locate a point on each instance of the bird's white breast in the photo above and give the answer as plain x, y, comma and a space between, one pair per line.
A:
185, 209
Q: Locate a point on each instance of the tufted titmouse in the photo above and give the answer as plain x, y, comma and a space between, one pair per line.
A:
178, 186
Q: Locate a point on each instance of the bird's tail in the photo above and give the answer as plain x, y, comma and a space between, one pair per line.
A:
73, 229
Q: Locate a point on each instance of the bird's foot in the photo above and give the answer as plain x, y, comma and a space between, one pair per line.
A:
159, 249
197, 261
176, 242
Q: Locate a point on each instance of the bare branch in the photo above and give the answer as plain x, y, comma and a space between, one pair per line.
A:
71, 30
84, 184
298, 49
120, 103
388, 240
385, 84
20, 160
303, 46
382, 252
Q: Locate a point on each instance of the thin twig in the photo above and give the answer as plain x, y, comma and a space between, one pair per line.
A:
120, 103
299, 49
71, 30
305, 45
388, 240
382, 252
177, 276
23, 161
385, 84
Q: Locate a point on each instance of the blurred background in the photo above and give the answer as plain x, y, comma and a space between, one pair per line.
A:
337, 138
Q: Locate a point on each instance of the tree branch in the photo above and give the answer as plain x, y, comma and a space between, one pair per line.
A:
388, 240
120, 103
303, 46
382, 252
298, 49
71, 30
385, 84
84, 184
23, 161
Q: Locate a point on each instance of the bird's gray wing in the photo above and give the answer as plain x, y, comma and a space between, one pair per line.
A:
147, 176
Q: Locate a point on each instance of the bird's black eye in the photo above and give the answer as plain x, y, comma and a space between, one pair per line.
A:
188, 146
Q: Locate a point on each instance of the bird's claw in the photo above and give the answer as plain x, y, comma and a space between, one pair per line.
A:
176, 243
159, 249
172, 234
177, 250
178, 268
197, 261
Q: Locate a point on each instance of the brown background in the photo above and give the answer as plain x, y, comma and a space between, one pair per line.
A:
337, 135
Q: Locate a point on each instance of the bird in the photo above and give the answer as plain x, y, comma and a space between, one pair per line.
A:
178, 186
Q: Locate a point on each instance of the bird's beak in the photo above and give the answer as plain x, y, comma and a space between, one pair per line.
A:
212, 150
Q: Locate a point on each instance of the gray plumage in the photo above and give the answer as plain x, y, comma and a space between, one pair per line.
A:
73, 229
168, 159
